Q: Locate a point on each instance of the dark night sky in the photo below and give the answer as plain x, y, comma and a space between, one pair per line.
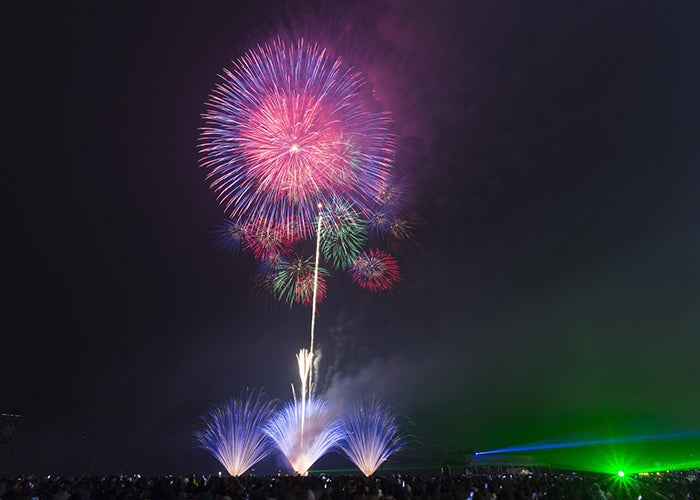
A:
554, 151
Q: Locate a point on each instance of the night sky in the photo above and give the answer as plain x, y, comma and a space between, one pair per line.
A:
553, 148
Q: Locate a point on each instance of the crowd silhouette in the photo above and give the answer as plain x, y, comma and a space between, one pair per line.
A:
536, 485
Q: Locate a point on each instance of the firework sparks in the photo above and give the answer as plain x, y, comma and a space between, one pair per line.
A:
344, 233
230, 235
293, 149
234, 432
402, 230
394, 194
379, 221
288, 128
371, 435
292, 138
294, 281
304, 433
266, 240
375, 270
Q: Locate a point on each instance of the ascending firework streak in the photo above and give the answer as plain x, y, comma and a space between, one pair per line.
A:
305, 359
313, 304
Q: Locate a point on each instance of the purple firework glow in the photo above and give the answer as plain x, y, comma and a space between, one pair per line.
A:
290, 127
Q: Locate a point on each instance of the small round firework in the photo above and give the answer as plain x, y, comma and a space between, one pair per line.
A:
294, 281
343, 234
230, 235
266, 240
394, 194
375, 270
379, 221
402, 229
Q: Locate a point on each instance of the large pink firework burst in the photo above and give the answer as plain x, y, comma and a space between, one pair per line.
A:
290, 127
375, 270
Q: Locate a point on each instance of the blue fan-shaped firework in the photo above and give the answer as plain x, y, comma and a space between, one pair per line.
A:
304, 431
233, 432
371, 434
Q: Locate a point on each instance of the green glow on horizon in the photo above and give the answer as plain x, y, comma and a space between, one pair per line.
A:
621, 460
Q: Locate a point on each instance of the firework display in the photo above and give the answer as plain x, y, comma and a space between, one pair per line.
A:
295, 151
288, 128
375, 270
230, 235
371, 434
294, 281
241, 432
292, 137
265, 239
304, 433
343, 234
233, 432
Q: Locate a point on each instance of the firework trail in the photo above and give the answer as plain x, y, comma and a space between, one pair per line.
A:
371, 434
304, 433
234, 432
288, 128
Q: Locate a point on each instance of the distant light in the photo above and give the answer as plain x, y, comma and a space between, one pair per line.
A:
621, 473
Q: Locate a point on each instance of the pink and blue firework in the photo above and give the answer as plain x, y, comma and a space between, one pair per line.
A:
290, 127
234, 432
371, 434
230, 235
266, 240
393, 194
375, 270
390, 219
